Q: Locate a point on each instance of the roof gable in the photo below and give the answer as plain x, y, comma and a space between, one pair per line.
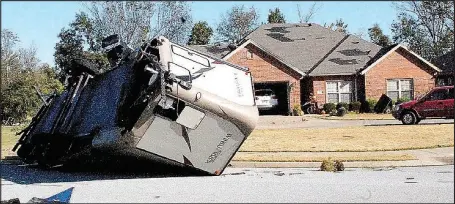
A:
393, 49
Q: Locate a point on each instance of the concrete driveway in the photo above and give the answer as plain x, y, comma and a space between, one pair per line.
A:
278, 122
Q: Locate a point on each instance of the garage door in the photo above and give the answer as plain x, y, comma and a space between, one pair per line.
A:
280, 89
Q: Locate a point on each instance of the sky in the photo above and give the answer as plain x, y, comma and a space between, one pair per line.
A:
39, 23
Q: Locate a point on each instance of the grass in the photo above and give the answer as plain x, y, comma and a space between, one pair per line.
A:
283, 157
352, 143
350, 139
358, 116
9, 139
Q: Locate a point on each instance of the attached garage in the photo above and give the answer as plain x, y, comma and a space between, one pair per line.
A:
281, 92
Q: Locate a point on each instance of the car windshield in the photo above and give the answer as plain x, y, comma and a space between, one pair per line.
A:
264, 92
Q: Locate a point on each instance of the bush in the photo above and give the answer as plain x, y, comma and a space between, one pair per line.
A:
371, 104
343, 104
355, 106
402, 100
297, 110
330, 165
339, 166
341, 111
329, 107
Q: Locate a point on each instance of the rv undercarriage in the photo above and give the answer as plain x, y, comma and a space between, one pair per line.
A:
163, 101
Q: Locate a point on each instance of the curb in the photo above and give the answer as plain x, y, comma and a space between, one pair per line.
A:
377, 164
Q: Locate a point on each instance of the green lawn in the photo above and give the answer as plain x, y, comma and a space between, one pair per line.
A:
9, 139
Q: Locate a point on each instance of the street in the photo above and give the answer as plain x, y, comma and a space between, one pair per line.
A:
405, 184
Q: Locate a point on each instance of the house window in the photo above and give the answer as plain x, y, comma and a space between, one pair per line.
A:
339, 91
400, 88
249, 54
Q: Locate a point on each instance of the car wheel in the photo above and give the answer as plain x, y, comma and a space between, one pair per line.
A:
408, 118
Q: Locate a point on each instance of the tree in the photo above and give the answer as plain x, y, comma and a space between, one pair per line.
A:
236, 23
19, 98
9, 56
339, 26
174, 21
377, 37
305, 18
200, 34
360, 33
135, 21
275, 16
426, 27
73, 41
28, 59
69, 47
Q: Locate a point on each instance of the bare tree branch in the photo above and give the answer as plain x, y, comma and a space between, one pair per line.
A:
135, 21
237, 23
309, 14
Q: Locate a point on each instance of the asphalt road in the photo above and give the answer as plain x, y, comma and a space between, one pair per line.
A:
408, 184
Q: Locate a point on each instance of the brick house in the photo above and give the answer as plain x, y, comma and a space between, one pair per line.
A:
296, 60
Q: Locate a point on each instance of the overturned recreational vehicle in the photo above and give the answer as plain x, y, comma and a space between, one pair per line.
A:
164, 101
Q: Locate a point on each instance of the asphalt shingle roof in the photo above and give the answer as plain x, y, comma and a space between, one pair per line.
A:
352, 55
308, 47
298, 45
219, 51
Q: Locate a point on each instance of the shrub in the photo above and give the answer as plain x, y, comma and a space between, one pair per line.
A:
328, 165
343, 104
297, 110
341, 111
402, 100
355, 106
339, 166
329, 107
371, 104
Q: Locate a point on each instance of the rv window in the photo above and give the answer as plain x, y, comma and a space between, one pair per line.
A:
190, 117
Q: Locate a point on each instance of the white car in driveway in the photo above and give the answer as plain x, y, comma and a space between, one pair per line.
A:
265, 99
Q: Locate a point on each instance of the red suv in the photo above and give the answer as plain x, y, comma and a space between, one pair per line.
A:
438, 103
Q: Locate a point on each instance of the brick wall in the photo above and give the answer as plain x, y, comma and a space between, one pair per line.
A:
398, 64
264, 68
